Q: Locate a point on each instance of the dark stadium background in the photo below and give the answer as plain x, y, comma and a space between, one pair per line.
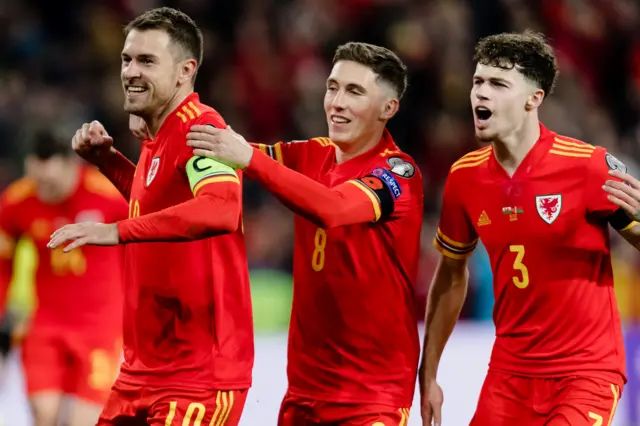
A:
264, 71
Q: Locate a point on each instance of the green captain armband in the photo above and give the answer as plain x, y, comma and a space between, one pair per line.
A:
204, 170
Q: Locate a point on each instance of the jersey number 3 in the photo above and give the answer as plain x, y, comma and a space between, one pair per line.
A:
320, 241
519, 266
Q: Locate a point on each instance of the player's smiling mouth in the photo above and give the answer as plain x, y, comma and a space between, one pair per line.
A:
135, 89
338, 119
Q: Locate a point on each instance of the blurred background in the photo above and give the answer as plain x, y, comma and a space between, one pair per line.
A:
265, 65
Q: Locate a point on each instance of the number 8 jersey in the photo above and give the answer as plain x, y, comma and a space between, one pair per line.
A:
546, 232
353, 335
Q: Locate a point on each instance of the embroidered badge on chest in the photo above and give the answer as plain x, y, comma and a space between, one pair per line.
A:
153, 170
549, 207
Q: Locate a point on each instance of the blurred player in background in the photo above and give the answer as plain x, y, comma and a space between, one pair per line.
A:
353, 342
73, 342
188, 340
536, 200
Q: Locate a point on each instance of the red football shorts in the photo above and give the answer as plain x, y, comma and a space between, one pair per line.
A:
296, 411
78, 365
134, 405
507, 400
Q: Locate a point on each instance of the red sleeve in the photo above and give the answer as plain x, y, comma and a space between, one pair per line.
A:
456, 237
119, 170
288, 153
366, 199
214, 211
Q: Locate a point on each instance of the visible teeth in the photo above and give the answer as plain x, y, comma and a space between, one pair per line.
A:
136, 89
339, 120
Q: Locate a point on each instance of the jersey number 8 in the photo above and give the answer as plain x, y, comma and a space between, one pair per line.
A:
320, 241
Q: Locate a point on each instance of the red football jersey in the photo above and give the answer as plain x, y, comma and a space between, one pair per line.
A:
547, 236
353, 336
188, 320
79, 291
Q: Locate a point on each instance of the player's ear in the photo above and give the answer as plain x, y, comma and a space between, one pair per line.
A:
535, 99
389, 108
188, 70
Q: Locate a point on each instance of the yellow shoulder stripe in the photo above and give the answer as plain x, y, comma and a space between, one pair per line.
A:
463, 164
577, 144
323, 141
19, 190
372, 197
97, 183
188, 112
569, 154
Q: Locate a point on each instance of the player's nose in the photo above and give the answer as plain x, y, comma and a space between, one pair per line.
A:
339, 101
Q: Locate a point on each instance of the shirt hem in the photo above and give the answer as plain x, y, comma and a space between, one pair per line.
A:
131, 380
347, 398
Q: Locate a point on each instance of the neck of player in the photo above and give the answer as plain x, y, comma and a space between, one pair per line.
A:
155, 121
512, 149
346, 150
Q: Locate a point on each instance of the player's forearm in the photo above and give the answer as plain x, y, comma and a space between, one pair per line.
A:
215, 211
325, 207
444, 303
119, 170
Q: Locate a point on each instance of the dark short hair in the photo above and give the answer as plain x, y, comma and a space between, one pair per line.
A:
45, 144
528, 52
182, 30
382, 61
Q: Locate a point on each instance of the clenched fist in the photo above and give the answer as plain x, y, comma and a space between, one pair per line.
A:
93, 143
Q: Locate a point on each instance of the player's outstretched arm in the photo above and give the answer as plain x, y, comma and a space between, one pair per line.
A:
444, 303
344, 204
214, 211
626, 195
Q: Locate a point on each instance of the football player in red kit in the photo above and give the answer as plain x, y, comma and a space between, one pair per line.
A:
188, 339
72, 346
353, 343
536, 200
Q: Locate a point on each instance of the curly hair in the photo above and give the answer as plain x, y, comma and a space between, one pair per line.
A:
382, 61
527, 52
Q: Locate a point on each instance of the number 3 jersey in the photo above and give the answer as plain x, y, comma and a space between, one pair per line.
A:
353, 336
546, 232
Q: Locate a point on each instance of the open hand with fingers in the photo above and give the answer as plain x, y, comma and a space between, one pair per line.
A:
625, 194
431, 399
87, 233
224, 145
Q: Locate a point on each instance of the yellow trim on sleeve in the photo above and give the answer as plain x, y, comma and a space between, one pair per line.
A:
629, 226
278, 150
448, 253
374, 200
454, 243
214, 179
